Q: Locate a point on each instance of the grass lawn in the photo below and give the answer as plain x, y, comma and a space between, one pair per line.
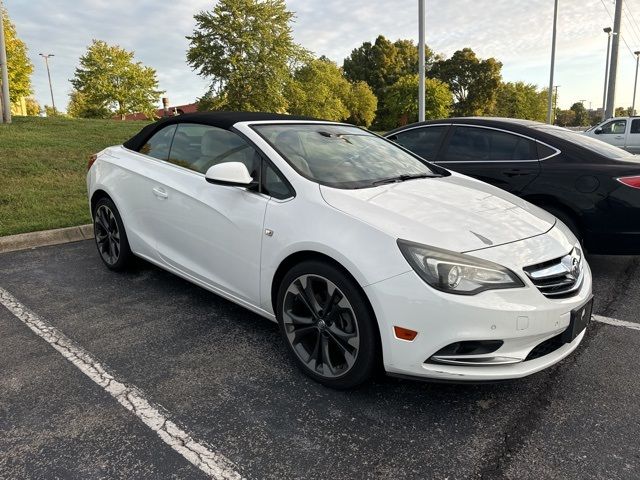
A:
43, 163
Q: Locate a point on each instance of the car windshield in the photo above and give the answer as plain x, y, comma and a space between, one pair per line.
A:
593, 144
343, 156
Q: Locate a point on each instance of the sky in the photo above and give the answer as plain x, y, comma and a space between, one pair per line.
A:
516, 32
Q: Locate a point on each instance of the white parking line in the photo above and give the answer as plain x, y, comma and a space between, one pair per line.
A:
213, 464
616, 322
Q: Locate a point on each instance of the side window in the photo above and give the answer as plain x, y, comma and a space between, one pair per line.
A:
158, 145
635, 126
614, 127
273, 184
544, 151
468, 144
505, 146
422, 141
484, 144
199, 147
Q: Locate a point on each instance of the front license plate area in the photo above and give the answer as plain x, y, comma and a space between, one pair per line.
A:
580, 318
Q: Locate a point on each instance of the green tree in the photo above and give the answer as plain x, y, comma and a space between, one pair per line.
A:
361, 104
111, 82
81, 107
473, 82
621, 112
521, 100
33, 107
565, 118
380, 65
402, 99
581, 117
19, 67
319, 90
246, 49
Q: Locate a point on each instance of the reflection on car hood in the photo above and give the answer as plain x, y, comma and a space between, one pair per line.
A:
456, 212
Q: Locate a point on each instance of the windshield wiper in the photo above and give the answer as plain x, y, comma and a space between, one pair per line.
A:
404, 178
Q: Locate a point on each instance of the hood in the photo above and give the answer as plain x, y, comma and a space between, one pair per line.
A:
455, 212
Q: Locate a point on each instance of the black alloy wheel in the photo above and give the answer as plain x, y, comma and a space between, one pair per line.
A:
327, 325
110, 235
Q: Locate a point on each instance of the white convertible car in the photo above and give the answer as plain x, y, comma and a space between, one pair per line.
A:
365, 254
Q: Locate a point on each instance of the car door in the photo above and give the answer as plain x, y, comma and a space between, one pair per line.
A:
423, 141
613, 132
633, 137
504, 159
212, 233
133, 188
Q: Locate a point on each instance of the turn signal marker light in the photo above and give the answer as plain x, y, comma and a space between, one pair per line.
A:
92, 160
404, 333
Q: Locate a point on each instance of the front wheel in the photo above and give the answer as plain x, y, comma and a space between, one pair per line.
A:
327, 325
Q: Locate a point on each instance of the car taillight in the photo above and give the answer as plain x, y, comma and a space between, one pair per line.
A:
92, 160
633, 182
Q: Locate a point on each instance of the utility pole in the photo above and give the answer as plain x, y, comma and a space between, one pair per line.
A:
46, 61
609, 33
555, 102
635, 83
421, 52
4, 74
613, 66
553, 59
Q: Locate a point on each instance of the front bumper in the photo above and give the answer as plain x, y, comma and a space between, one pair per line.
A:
522, 318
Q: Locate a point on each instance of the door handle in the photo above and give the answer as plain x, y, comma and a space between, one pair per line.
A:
160, 193
619, 137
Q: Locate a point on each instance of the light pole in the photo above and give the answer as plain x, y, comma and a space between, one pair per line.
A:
613, 61
421, 66
635, 83
5, 114
609, 33
553, 58
46, 61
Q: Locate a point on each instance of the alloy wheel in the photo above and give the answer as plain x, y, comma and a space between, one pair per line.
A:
107, 234
321, 326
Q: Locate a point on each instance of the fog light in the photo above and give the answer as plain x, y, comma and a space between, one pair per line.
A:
405, 333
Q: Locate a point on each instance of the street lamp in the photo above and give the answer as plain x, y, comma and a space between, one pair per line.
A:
46, 61
635, 83
609, 33
553, 59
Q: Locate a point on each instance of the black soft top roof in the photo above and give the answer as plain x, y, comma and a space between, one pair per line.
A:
223, 120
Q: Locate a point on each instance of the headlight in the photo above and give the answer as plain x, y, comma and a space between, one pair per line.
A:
455, 272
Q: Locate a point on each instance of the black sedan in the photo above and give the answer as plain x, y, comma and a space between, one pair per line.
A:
593, 187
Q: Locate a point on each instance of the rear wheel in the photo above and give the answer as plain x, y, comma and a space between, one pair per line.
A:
327, 325
110, 236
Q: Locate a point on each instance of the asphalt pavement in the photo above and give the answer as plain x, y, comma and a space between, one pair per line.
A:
223, 375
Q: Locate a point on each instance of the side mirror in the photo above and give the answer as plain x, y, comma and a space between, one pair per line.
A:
598, 131
229, 173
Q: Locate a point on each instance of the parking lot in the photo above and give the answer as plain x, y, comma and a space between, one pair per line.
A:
221, 374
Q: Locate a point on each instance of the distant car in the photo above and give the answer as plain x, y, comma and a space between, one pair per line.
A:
623, 132
364, 253
593, 187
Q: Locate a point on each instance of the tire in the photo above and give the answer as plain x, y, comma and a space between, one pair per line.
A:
110, 235
327, 325
566, 219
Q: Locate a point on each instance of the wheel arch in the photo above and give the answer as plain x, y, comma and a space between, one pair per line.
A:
543, 201
305, 255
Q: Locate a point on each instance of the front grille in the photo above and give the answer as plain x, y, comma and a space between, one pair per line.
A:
545, 348
560, 277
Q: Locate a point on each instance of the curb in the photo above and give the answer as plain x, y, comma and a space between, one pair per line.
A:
43, 238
